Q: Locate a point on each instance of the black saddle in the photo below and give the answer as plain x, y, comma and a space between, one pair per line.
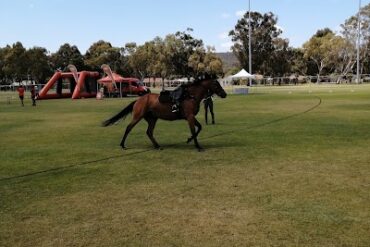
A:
177, 95
165, 96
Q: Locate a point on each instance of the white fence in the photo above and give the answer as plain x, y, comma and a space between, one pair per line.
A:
294, 80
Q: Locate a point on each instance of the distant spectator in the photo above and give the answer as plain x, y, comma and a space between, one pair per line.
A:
37, 91
208, 104
20, 90
33, 95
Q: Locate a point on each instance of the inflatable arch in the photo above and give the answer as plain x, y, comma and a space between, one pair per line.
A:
85, 87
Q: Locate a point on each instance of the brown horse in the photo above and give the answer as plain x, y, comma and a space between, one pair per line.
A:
150, 108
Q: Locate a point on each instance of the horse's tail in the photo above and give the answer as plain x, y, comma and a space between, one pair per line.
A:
122, 114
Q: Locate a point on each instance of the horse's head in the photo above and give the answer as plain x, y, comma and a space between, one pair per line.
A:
215, 87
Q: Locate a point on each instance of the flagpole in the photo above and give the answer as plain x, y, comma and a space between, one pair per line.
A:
250, 43
358, 41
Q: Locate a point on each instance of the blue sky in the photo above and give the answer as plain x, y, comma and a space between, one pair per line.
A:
51, 23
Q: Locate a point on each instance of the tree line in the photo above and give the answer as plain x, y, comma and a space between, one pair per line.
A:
175, 56
325, 53
182, 55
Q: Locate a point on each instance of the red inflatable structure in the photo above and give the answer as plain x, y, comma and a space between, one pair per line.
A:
85, 87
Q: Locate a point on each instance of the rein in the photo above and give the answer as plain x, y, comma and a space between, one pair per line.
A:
195, 86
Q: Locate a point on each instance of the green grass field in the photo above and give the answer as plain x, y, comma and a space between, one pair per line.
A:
283, 166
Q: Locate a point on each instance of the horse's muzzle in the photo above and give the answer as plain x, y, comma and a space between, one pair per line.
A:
223, 95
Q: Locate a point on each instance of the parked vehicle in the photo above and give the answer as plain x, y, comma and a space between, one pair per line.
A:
134, 88
127, 88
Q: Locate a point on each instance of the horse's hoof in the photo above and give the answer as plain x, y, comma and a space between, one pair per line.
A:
158, 148
189, 140
123, 147
201, 150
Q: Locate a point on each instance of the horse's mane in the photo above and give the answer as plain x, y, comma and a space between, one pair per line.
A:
198, 81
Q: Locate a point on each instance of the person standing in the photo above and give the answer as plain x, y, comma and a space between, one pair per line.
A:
33, 95
20, 90
208, 104
37, 91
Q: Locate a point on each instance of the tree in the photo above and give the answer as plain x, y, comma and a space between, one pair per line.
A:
318, 49
264, 32
139, 58
298, 62
196, 62
103, 52
3, 52
214, 66
177, 55
182, 55
67, 54
205, 63
343, 56
125, 68
164, 62
172, 54
185, 46
280, 62
39, 67
15, 64
349, 32
323, 32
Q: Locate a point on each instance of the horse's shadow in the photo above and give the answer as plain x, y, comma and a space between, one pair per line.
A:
206, 145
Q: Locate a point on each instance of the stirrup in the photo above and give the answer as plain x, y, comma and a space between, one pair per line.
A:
175, 108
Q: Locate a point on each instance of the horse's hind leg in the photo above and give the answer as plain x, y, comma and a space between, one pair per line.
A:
128, 130
137, 116
151, 125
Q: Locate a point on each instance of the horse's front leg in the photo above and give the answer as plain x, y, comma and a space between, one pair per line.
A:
199, 128
192, 121
151, 125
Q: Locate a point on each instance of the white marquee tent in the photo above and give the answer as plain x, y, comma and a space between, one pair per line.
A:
242, 75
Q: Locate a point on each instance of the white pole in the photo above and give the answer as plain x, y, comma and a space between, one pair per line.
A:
120, 90
250, 43
358, 41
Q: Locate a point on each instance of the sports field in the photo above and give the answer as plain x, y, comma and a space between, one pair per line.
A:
283, 166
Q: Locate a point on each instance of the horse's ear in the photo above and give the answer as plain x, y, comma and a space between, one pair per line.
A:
210, 76
207, 76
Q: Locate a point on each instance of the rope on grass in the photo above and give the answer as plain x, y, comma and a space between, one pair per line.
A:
151, 149
272, 121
